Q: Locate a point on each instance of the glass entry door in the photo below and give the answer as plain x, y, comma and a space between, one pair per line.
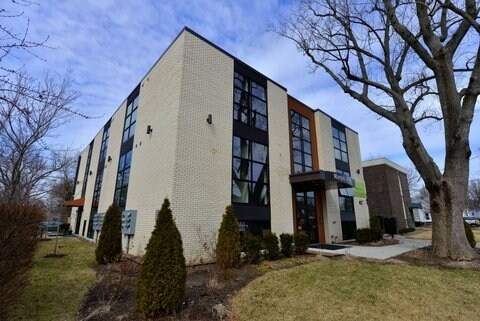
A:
306, 215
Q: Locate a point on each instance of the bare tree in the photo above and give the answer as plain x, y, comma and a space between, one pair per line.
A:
15, 39
474, 194
26, 159
409, 62
61, 185
413, 178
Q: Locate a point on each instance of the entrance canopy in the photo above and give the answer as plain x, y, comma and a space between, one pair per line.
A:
321, 179
79, 202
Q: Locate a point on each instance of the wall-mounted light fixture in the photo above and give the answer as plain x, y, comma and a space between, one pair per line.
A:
109, 159
209, 119
90, 173
358, 171
149, 129
78, 182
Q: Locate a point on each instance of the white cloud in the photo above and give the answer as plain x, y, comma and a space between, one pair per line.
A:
109, 45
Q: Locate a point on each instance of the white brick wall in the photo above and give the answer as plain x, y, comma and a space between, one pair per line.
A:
279, 160
203, 157
323, 126
355, 159
113, 150
153, 156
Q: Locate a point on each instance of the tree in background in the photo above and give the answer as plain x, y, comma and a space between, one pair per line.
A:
410, 62
474, 194
228, 243
161, 284
26, 160
109, 247
60, 187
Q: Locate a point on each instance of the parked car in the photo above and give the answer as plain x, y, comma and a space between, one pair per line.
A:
50, 226
474, 221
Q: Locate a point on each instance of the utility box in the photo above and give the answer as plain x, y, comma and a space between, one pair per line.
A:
98, 221
129, 219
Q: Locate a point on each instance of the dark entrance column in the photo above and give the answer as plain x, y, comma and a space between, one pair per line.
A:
79, 219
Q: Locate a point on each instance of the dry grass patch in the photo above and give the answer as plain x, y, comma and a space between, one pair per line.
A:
427, 234
353, 290
57, 285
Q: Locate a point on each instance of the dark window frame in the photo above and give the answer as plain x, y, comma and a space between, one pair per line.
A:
340, 145
250, 163
303, 140
245, 111
87, 169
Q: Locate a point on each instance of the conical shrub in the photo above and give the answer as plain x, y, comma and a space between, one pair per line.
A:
161, 284
109, 247
228, 242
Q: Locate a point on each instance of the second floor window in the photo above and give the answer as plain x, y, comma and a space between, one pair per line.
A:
123, 176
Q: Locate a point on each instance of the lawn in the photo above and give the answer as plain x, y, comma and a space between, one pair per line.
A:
355, 290
57, 285
427, 234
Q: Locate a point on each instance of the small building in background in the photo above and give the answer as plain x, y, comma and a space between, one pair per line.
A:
388, 195
421, 213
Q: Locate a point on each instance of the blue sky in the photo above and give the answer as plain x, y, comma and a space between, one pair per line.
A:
108, 45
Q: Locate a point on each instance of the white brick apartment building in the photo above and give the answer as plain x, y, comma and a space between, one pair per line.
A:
206, 130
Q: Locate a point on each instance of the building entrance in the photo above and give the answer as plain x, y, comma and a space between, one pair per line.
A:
306, 215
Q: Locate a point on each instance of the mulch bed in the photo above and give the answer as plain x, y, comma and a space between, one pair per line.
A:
207, 296
383, 242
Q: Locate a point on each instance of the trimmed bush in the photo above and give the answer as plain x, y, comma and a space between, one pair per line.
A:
376, 228
64, 228
227, 251
271, 245
406, 230
109, 247
366, 235
162, 279
469, 234
286, 241
302, 243
363, 235
253, 246
18, 241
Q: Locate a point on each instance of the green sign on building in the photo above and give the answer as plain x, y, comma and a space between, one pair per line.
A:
359, 189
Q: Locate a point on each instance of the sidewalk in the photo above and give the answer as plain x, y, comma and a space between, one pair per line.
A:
378, 252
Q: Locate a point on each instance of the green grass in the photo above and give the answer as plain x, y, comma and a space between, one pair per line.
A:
354, 290
57, 285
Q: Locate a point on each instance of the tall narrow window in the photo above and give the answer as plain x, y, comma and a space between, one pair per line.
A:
130, 120
87, 169
249, 102
99, 178
123, 177
249, 172
340, 145
125, 160
301, 143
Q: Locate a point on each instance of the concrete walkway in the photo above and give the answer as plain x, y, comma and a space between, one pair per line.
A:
378, 252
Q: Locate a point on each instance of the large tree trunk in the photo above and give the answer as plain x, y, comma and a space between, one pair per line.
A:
448, 238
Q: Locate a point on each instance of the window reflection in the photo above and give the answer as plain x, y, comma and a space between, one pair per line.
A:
249, 172
250, 102
302, 148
